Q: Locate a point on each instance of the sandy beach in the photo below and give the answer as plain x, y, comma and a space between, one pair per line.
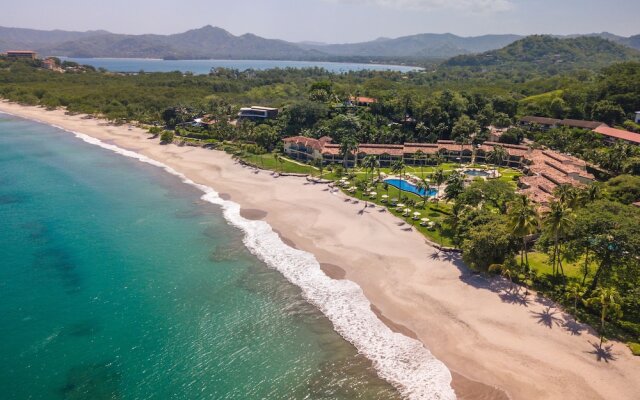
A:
498, 344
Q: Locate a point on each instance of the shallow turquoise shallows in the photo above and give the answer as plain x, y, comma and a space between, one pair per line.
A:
118, 282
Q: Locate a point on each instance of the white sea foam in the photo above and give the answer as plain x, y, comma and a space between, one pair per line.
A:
402, 361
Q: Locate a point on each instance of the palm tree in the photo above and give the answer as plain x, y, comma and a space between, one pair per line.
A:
277, 159
574, 292
608, 299
590, 194
420, 158
557, 220
424, 183
505, 270
348, 146
369, 163
497, 156
523, 221
566, 194
398, 167
439, 178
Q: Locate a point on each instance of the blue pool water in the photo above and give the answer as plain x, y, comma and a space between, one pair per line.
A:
408, 187
475, 172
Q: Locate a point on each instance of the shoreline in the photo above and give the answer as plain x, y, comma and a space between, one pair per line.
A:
461, 318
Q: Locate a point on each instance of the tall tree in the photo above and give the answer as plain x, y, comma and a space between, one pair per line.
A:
523, 221
608, 300
557, 222
348, 146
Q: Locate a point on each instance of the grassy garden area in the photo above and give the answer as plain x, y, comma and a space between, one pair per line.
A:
361, 179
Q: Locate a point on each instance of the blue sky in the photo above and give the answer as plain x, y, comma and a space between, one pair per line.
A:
329, 20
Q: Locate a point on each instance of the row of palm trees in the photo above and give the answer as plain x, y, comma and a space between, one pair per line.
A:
557, 220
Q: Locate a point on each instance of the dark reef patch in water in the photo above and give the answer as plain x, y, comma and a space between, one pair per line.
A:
59, 263
36, 230
82, 329
12, 198
92, 382
227, 252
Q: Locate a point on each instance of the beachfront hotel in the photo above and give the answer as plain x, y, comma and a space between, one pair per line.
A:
544, 169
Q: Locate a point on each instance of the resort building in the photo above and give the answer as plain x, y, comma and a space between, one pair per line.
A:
544, 169
386, 154
547, 169
548, 123
613, 134
362, 101
257, 112
22, 54
543, 122
578, 123
306, 149
610, 134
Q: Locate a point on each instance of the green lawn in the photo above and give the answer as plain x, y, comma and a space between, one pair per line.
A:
542, 265
435, 212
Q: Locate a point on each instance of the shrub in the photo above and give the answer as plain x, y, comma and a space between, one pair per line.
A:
635, 348
166, 137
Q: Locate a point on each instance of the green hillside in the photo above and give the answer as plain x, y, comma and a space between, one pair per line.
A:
550, 54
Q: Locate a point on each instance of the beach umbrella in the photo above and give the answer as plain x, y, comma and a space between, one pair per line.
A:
424, 219
384, 196
400, 205
373, 193
416, 213
407, 210
343, 179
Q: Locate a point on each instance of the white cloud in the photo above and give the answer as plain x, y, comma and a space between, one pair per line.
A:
468, 5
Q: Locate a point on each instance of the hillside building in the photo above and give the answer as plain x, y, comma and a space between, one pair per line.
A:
22, 54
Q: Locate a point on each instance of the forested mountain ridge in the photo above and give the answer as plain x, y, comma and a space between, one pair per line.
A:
544, 52
425, 45
212, 42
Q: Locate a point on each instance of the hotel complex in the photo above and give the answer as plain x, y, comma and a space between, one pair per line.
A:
544, 169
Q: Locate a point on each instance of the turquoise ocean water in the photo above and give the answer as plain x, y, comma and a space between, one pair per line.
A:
118, 282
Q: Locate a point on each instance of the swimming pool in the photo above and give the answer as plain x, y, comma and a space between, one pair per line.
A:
409, 187
476, 172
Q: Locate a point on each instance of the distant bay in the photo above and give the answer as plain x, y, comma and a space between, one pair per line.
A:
204, 66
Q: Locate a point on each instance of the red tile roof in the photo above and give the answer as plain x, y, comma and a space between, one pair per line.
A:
305, 141
361, 99
578, 123
540, 120
331, 149
618, 134
379, 149
427, 148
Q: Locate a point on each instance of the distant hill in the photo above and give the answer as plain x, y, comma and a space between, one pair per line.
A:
426, 45
213, 42
547, 53
206, 42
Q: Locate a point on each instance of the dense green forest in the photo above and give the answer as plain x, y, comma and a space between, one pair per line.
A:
589, 236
